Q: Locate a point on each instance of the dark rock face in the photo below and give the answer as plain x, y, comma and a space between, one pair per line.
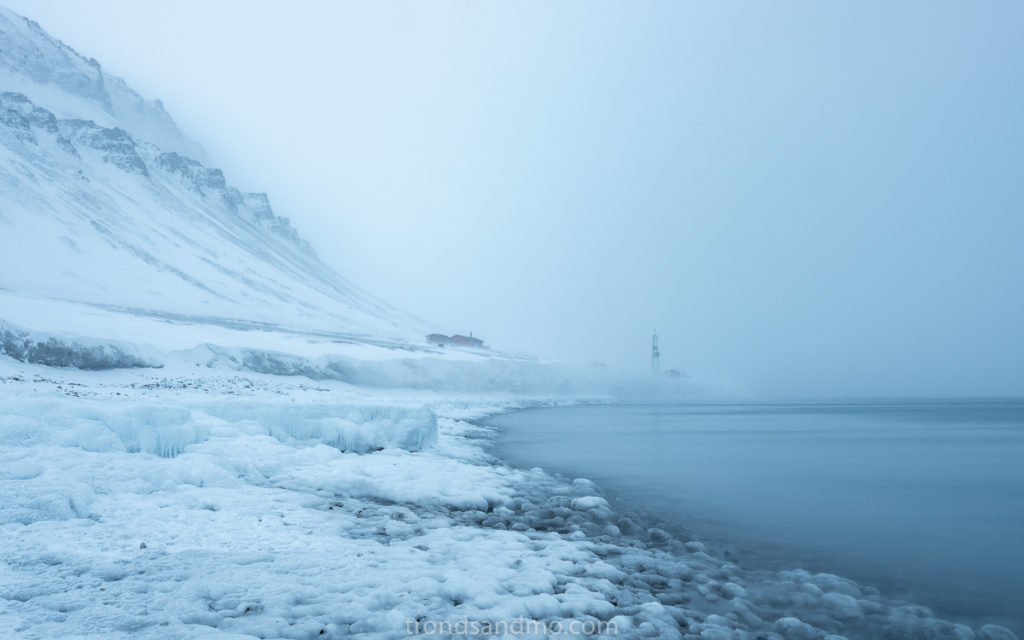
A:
117, 146
32, 53
204, 180
18, 106
259, 205
18, 123
194, 173
174, 163
24, 120
26, 50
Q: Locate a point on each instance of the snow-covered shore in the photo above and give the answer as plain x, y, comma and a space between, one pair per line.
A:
205, 432
176, 504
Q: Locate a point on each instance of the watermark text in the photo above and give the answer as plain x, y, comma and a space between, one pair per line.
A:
518, 627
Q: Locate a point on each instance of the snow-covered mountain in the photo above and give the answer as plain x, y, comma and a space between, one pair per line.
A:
107, 204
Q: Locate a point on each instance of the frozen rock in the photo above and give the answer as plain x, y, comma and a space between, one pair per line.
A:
795, 629
995, 632
733, 590
841, 606
829, 582
589, 503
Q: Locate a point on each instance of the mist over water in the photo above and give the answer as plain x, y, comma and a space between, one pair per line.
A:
921, 499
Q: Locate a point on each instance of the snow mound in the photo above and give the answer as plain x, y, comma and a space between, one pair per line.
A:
31, 491
80, 353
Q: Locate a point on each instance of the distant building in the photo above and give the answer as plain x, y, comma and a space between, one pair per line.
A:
439, 339
467, 341
442, 340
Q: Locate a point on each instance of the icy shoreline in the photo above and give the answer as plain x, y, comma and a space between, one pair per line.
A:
218, 505
738, 497
711, 596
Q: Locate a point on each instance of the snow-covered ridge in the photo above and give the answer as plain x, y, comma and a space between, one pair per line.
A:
27, 122
106, 202
27, 52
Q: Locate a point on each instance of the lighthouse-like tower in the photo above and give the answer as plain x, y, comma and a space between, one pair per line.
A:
655, 354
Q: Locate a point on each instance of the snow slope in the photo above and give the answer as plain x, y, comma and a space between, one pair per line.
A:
72, 86
118, 249
104, 205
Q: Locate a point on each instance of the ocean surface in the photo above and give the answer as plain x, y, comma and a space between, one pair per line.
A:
922, 499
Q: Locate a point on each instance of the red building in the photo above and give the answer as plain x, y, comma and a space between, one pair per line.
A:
442, 340
467, 341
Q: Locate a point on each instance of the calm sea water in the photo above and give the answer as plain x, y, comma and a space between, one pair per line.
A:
922, 499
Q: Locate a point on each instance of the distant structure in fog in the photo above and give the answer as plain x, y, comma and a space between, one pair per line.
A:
442, 340
468, 341
655, 355
439, 339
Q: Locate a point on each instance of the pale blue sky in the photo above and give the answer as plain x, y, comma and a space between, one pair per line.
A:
803, 197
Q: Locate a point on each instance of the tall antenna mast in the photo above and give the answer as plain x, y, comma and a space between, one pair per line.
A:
655, 355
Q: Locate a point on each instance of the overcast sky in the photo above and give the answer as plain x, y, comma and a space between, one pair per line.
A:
804, 198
